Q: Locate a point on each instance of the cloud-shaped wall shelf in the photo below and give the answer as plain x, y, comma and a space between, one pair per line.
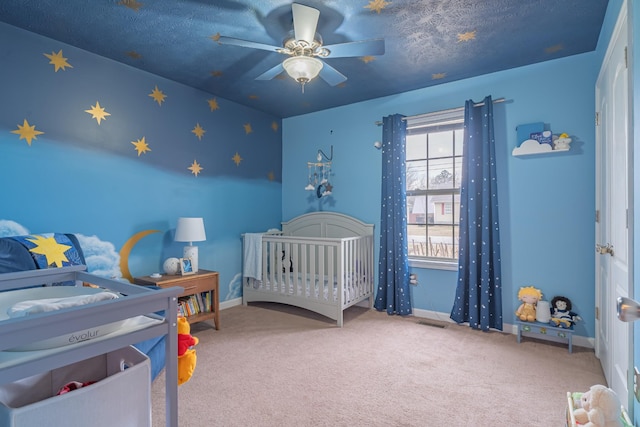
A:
531, 146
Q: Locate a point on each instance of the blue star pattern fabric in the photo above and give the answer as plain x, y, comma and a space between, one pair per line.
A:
50, 250
393, 266
479, 289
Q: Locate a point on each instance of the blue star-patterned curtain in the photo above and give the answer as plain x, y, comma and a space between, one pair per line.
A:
393, 265
479, 290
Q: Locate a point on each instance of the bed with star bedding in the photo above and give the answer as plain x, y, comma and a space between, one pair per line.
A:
54, 313
320, 261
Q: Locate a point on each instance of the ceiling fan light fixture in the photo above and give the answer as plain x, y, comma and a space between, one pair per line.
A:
302, 68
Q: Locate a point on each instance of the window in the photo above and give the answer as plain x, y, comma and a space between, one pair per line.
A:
433, 174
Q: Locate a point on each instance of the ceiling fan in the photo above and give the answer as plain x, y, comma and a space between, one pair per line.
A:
304, 47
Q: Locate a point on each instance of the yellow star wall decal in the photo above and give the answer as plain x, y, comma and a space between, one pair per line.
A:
51, 249
97, 112
58, 61
554, 48
465, 37
377, 5
27, 132
247, 128
133, 54
437, 76
158, 96
215, 37
271, 176
237, 159
141, 146
198, 131
367, 59
131, 4
213, 104
195, 168
274, 126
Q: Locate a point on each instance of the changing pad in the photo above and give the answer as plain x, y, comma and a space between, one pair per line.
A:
12, 299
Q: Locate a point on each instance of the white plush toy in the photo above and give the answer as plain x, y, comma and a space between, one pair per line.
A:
600, 407
561, 142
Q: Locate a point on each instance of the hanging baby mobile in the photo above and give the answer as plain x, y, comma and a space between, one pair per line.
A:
319, 173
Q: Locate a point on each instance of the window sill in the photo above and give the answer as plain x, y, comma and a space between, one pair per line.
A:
432, 264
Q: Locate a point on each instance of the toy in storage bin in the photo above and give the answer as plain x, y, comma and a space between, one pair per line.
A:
573, 398
120, 396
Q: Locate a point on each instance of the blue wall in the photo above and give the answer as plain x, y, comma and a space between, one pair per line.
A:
88, 178
546, 201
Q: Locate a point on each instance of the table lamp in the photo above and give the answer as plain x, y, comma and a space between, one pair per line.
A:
190, 230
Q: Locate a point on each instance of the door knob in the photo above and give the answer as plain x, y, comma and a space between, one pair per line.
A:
628, 310
604, 249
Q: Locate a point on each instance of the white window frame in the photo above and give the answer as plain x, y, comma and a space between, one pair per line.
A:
432, 122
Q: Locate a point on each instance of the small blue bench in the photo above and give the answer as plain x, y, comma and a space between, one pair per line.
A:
545, 329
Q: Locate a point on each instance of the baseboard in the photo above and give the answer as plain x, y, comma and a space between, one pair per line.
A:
230, 303
578, 340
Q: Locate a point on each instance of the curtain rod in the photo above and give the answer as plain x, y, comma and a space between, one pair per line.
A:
451, 110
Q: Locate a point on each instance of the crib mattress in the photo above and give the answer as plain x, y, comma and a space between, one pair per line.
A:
9, 298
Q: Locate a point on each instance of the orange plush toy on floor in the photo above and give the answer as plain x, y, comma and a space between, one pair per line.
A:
186, 352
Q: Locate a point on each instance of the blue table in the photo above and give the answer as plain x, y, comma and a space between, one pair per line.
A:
545, 329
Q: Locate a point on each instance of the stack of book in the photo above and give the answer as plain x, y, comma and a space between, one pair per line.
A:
194, 304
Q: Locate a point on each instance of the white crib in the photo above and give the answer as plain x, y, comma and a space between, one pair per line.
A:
321, 261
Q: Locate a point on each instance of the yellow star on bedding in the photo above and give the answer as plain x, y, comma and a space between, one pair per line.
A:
237, 159
141, 146
367, 59
27, 132
58, 61
198, 131
97, 112
247, 128
195, 168
158, 96
215, 37
51, 249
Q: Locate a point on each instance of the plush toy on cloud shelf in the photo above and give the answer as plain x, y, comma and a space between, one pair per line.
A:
529, 297
561, 314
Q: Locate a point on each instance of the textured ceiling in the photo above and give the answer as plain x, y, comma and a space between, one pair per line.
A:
427, 42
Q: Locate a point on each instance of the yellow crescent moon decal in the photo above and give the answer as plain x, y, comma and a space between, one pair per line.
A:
126, 250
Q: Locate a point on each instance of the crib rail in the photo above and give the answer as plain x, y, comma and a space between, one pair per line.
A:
336, 271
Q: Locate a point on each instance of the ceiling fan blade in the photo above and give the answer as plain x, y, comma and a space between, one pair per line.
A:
246, 43
361, 48
305, 21
332, 76
271, 73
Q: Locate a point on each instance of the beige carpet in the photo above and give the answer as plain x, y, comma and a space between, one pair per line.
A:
274, 365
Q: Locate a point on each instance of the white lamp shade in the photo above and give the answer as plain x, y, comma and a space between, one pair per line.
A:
190, 230
302, 68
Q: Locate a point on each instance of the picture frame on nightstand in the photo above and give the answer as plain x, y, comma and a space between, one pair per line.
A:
186, 267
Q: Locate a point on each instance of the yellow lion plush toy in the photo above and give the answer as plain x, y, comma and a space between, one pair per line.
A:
186, 352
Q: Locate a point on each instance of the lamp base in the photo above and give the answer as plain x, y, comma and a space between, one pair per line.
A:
192, 252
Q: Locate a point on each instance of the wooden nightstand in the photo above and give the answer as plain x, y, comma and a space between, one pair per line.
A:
198, 284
